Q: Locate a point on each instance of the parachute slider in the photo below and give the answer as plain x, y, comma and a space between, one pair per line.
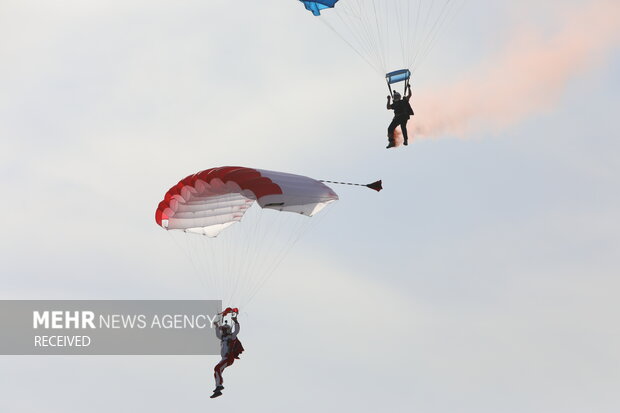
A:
377, 185
397, 76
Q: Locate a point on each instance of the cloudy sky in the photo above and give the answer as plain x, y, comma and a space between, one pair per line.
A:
484, 278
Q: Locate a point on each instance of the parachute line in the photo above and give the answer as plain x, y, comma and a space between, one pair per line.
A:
390, 33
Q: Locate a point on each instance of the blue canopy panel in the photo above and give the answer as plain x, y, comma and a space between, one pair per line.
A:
398, 76
316, 6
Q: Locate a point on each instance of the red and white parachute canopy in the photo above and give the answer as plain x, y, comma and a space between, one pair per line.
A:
235, 265
211, 200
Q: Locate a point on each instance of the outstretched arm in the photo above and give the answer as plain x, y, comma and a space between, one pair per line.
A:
388, 106
237, 327
218, 332
408, 92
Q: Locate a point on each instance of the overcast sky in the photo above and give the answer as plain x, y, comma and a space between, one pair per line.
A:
484, 278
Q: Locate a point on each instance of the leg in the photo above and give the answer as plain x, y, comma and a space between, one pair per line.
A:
403, 128
218, 370
391, 129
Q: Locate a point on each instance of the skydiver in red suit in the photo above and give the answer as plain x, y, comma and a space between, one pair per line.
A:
230, 349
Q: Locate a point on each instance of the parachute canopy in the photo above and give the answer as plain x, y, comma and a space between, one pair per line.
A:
211, 200
316, 6
233, 262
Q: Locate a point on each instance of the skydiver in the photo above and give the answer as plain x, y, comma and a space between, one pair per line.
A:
230, 349
402, 112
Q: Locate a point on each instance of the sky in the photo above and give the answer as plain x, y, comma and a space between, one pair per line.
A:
483, 278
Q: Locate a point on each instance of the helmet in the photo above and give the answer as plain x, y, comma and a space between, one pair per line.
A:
396, 95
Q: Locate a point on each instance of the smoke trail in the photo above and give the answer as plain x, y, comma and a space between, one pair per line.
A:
527, 77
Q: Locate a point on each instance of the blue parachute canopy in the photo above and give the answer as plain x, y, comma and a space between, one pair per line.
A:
316, 6
398, 76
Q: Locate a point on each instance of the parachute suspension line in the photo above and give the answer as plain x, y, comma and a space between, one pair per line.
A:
295, 237
366, 29
259, 248
228, 270
426, 41
441, 21
270, 268
230, 261
220, 271
361, 27
262, 265
184, 252
245, 263
415, 33
385, 36
432, 30
197, 246
259, 265
423, 40
254, 263
326, 23
250, 252
234, 268
358, 26
421, 28
264, 243
194, 245
187, 251
379, 37
193, 242
214, 272
390, 34
401, 29
408, 31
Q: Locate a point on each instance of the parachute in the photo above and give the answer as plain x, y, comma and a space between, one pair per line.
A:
272, 210
316, 6
392, 36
